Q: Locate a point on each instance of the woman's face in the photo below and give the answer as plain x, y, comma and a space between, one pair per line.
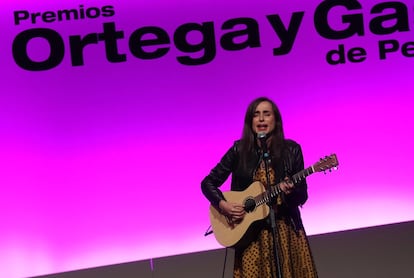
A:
263, 119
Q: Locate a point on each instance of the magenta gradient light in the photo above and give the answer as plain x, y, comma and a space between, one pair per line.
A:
102, 163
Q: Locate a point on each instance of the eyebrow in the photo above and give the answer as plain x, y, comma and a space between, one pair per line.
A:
264, 111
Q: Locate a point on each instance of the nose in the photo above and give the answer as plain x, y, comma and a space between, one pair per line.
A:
261, 117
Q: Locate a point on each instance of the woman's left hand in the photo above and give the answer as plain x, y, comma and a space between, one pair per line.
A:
286, 186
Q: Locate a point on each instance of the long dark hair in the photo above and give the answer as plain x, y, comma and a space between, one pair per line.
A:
248, 144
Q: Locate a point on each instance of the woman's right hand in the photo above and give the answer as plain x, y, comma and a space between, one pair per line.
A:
234, 211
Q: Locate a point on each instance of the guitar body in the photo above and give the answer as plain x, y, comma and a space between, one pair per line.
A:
235, 234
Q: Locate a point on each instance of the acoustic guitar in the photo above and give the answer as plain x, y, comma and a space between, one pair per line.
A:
255, 199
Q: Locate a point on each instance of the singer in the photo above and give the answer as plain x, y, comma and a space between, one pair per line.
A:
279, 247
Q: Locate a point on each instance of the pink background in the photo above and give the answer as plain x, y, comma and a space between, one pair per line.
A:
102, 163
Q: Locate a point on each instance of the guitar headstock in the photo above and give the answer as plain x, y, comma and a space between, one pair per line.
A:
326, 163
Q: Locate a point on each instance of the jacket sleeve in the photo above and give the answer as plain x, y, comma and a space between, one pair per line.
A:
218, 175
296, 164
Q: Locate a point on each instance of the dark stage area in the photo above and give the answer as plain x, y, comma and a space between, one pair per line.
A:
380, 252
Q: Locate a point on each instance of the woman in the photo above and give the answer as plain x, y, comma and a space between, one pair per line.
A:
244, 161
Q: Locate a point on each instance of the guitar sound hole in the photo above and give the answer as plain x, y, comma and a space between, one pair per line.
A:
249, 205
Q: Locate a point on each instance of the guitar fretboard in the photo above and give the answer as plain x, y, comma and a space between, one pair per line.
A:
302, 174
275, 190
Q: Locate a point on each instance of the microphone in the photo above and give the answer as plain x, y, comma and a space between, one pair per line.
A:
262, 137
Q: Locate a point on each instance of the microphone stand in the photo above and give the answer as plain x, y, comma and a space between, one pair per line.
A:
276, 244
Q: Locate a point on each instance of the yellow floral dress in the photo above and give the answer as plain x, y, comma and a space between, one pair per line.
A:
258, 260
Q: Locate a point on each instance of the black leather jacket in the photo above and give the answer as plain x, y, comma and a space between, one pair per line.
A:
240, 180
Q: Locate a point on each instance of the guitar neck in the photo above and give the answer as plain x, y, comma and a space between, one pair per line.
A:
275, 189
302, 174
